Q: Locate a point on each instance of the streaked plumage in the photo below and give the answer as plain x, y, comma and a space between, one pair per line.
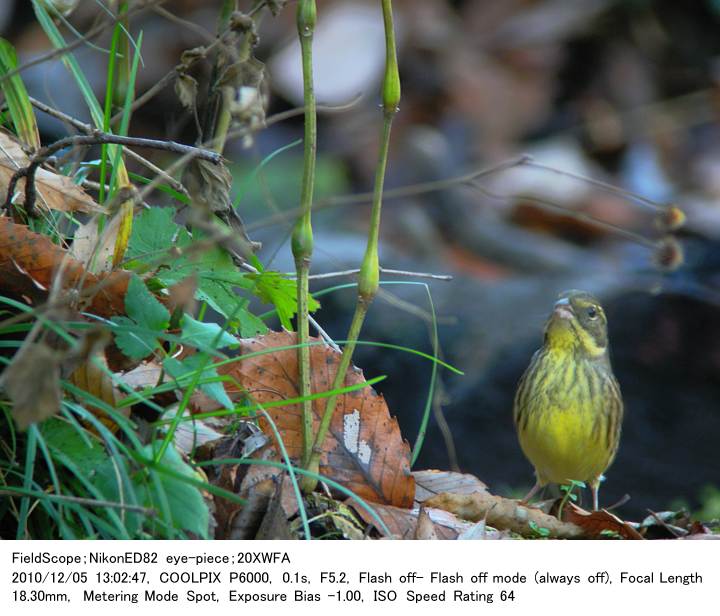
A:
568, 407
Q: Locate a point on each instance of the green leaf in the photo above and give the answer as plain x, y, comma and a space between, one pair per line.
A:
205, 334
179, 368
186, 504
83, 450
144, 308
248, 324
276, 289
146, 315
133, 344
177, 503
217, 275
153, 231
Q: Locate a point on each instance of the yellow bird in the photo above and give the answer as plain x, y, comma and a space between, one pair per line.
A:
568, 408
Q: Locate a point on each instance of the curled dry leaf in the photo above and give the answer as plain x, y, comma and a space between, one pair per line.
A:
364, 450
598, 523
57, 192
95, 248
92, 376
186, 89
29, 261
425, 529
32, 381
505, 514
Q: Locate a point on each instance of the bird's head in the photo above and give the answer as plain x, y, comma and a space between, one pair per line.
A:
577, 323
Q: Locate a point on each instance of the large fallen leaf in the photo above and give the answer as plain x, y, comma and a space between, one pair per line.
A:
29, 262
57, 192
402, 523
364, 450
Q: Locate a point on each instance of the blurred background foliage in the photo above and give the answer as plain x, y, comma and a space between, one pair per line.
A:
627, 92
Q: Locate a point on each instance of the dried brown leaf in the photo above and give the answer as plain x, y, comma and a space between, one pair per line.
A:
57, 192
504, 514
95, 248
595, 523
429, 483
246, 520
29, 262
425, 529
146, 374
92, 378
402, 522
364, 449
32, 380
186, 88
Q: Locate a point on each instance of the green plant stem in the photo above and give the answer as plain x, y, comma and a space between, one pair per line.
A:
369, 276
302, 237
124, 63
313, 464
223, 121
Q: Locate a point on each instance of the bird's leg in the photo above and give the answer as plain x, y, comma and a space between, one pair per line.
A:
595, 490
535, 489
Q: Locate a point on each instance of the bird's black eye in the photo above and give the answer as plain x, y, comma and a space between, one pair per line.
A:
592, 313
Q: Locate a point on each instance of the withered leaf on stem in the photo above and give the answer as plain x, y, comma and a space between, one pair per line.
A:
32, 380
186, 88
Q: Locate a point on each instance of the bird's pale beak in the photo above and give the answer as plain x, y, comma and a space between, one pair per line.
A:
563, 309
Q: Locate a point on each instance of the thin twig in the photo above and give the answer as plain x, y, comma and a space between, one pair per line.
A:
616, 190
88, 129
323, 334
400, 192
96, 138
199, 30
577, 215
63, 117
352, 272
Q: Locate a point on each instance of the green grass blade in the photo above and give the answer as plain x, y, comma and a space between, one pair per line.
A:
16, 97
28, 473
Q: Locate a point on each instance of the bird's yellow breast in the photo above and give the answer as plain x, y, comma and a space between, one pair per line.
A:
562, 427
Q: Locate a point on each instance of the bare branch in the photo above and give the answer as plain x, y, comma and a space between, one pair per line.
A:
95, 139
